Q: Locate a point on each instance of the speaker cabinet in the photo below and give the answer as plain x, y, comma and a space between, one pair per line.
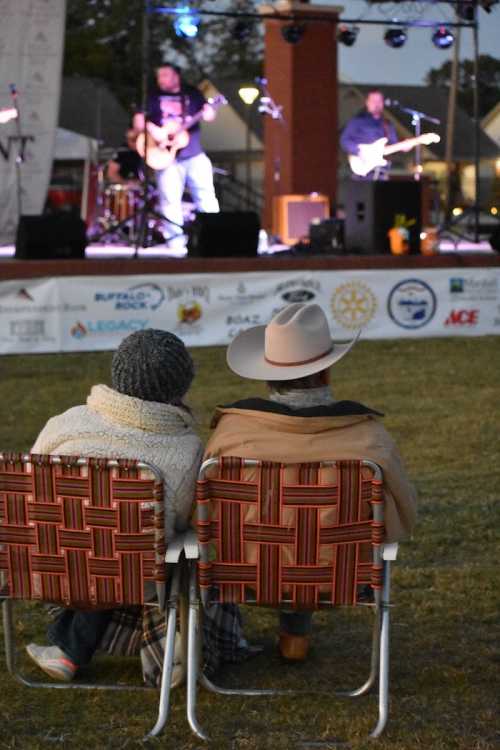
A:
372, 209
61, 235
292, 215
230, 234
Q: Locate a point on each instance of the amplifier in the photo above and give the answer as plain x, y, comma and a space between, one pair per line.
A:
293, 214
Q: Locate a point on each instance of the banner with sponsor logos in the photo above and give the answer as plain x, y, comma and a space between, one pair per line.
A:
89, 313
31, 48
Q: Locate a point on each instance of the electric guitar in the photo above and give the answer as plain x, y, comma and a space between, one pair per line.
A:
371, 155
162, 148
7, 114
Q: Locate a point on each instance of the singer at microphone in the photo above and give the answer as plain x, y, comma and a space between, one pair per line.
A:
367, 127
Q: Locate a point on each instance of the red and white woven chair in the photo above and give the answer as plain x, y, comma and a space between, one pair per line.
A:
303, 536
85, 533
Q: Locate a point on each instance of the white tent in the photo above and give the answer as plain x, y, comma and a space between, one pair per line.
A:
70, 145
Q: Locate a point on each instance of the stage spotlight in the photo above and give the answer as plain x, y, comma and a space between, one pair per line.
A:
241, 31
348, 34
395, 37
187, 22
293, 32
443, 38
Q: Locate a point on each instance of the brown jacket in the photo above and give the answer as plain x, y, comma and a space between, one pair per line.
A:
260, 429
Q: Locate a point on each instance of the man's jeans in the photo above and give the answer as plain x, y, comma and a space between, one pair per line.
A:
197, 175
78, 633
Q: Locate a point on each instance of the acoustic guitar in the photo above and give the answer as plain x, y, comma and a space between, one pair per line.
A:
371, 155
174, 135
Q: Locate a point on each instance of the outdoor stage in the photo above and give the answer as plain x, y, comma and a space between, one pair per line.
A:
91, 304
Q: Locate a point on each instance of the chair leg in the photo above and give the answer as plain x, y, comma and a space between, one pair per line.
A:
367, 686
168, 658
9, 636
383, 690
193, 655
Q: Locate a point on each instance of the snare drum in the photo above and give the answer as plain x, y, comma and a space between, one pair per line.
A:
120, 201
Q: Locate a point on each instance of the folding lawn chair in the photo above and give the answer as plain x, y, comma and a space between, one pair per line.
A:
85, 533
303, 536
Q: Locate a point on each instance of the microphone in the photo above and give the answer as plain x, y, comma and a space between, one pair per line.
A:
391, 103
13, 89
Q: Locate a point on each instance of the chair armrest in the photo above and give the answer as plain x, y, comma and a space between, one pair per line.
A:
390, 551
174, 548
191, 549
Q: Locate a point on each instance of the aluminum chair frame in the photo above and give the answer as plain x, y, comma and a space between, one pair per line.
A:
380, 635
171, 606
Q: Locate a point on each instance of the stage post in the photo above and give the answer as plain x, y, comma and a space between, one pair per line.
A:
301, 153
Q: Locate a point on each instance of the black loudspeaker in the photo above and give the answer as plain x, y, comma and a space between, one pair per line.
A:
61, 235
373, 208
495, 240
226, 235
327, 237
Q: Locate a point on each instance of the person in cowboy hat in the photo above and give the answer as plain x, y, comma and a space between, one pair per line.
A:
301, 422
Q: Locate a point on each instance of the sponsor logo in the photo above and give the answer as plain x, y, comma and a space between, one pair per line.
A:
353, 304
242, 296
106, 327
188, 293
465, 288
138, 297
462, 318
27, 328
24, 294
27, 332
412, 304
239, 322
302, 289
189, 313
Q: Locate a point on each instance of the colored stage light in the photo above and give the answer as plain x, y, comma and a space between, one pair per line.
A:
443, 38
395, 37
187, 23
348, 34
293, 32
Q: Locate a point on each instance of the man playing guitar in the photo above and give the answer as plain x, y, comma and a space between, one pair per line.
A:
175, 101
369, 137
366, 128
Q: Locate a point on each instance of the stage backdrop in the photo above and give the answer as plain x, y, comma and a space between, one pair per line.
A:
89, 313
31, 49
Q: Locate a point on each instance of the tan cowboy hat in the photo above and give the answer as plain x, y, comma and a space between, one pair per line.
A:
296, 343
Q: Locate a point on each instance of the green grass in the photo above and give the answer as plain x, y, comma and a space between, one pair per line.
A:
441, 403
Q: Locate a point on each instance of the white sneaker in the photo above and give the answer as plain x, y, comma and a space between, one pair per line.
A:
53, 661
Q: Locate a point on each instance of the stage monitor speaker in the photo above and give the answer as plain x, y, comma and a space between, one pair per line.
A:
293, 214
372, 209
54, 236
231, 234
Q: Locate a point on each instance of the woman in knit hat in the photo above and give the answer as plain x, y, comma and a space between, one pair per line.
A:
142, 416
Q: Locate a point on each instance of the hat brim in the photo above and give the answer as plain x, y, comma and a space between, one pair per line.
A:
245, 357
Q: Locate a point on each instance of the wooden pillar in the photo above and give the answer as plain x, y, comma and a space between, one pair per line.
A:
301, 153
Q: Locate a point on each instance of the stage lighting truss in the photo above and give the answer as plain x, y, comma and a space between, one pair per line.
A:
293, 32
443, 38
187, 23
347, 35
396, 37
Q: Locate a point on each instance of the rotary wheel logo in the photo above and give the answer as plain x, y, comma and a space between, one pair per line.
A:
189, 313
353, 304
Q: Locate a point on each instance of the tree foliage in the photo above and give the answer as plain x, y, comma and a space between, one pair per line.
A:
104, 40
488, 79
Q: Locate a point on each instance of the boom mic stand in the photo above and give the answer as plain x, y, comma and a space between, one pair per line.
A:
416, 121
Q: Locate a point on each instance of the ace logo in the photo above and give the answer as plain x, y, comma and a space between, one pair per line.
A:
462, 318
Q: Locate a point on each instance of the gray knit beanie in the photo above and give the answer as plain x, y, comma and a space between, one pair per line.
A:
152, 365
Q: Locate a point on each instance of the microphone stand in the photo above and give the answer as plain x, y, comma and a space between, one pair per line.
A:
20, 148
416, 121
267, 106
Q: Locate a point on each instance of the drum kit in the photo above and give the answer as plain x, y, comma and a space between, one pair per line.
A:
127, 212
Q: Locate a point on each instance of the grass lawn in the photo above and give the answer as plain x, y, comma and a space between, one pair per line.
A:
441, 400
